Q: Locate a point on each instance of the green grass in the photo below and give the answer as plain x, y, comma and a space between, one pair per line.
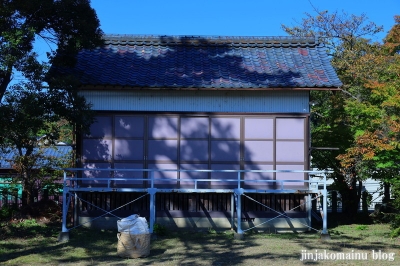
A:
30, 243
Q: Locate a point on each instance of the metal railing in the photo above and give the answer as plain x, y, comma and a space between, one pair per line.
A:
111, 183
153, 184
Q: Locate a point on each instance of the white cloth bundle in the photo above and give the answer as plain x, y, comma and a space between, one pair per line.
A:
134, 225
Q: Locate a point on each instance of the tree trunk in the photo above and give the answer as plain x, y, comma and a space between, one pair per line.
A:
27, 190
350, 193
351, 197
5, 79
365, 202
26, 197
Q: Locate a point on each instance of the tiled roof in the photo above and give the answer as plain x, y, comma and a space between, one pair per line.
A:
53, 151
184, 62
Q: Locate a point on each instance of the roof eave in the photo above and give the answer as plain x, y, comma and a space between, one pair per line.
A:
119, 87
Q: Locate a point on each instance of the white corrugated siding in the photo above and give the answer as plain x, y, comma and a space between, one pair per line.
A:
200, 101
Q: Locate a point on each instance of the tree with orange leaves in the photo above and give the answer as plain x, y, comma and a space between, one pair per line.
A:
363, 120
375, 115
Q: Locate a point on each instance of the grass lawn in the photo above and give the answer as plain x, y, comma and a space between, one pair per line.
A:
29, 243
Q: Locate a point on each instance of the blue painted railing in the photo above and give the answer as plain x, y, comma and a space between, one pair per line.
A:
73, 183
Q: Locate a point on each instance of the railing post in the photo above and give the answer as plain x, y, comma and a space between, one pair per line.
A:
152, 192
64, 235
238, 197
324, 233
65, 207
309, 208
232, 210
76, 209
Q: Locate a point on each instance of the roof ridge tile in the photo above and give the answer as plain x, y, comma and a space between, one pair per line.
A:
199, 40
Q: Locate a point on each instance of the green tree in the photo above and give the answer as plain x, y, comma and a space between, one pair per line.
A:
70, 25
346, 39
376, 115
34, 105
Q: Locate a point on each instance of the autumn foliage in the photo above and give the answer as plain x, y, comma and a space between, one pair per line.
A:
363, 120
375, 112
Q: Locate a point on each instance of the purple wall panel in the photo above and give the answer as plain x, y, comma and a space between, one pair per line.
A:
132, 175
172, 175
194, 150
258, 176
290, 128
222, 175
102, 128
259, 128
163, 127
225, 150
290, 151
194, 127
258, 151
291, 176
95, 149
224, 127
166, 150
193, 175
93, 172
126, 149
129, 126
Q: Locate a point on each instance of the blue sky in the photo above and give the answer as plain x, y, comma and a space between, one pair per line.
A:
227, 17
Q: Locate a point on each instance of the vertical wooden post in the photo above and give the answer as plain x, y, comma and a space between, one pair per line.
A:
365, 201
386, 192
334, 201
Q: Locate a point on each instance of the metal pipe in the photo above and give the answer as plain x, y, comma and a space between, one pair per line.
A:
152, 192
309, 209
325, 209
64, 228
238, 197
232, 211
